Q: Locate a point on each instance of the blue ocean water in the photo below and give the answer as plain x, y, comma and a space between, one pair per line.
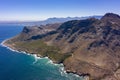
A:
20, 66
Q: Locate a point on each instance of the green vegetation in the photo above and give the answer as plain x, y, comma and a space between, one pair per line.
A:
40, 48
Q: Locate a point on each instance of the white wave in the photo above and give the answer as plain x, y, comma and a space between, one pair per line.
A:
51, 62
35, 61
2, 44
35, 56
70, 75
62, 71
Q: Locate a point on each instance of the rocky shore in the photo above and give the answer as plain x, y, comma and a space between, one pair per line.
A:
12, 48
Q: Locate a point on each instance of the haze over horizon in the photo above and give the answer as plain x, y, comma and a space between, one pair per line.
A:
34, 10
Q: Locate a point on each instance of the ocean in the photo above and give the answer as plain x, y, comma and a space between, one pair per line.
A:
20, 66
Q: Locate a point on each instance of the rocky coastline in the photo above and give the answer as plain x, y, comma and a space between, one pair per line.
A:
89, 47
12, 48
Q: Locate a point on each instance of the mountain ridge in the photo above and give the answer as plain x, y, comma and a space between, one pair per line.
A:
89, 47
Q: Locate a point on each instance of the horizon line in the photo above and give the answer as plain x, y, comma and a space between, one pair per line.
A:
44, 19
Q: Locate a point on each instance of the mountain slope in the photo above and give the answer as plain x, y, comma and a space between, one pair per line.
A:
89, 47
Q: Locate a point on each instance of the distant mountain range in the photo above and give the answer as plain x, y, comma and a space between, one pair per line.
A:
47, 21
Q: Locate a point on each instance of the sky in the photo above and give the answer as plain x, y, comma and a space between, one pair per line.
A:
34, 10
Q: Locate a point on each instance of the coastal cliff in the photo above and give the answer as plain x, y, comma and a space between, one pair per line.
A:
89, 47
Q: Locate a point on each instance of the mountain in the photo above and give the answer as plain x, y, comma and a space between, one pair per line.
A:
61, 20
47, 21
89, 47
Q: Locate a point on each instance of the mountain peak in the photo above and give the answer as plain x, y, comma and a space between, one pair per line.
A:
110, 16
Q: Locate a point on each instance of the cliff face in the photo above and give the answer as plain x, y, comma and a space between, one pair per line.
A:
93, 46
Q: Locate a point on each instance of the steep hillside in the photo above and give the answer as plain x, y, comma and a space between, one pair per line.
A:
88, 47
